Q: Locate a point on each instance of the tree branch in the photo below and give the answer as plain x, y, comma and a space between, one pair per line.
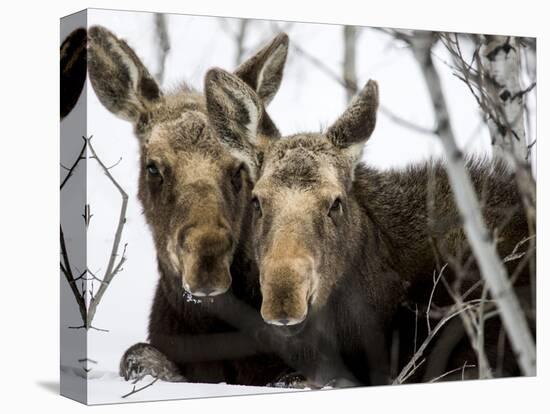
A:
75, 163
136, 390
349, 71
112, 267
406, 371
164, 44
351, 89
66, 270
65, 265
492, 268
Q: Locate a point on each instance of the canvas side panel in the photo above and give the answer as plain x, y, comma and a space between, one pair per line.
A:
73, 116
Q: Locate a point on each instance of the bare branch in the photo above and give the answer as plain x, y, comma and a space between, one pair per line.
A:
352, 89
469, 323
436, 281
349, 70
87, 311
462, 368
499, 58
492, 268
112, 267
75, 163
515, 255
405, 372
88, 327
87, 215
136, 390
164, 44
66, 270
240, 41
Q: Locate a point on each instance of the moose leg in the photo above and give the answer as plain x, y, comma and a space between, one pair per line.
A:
143, 359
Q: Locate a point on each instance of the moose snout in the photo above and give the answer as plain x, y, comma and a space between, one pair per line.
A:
207, 257
285, 292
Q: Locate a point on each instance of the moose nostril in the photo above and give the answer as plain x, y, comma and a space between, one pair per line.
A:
284, 321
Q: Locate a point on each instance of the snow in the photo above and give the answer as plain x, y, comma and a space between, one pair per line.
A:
109, 388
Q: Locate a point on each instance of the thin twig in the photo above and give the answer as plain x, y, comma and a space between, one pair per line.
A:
75, 163
136, 390
87, 311
112, 267
349, 70
352, 88
462, 368
240, 38
436, 281
88, 328
164, 44
492, 268
418, 354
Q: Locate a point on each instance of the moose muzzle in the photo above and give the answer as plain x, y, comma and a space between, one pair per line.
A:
207, 257
286, 286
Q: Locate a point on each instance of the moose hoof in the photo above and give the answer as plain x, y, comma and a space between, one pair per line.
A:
143, 359
292, 380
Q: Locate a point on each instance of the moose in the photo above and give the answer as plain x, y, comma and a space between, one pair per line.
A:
195, 193
343, 248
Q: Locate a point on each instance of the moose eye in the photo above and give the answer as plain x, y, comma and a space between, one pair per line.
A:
335, 208
256, 205
153, 170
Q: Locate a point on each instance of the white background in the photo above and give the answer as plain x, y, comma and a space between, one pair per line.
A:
30, 203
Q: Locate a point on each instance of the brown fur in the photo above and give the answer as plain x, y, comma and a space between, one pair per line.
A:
195, 196
341, 246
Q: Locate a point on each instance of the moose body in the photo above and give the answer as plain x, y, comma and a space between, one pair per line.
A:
194, 193
343, 248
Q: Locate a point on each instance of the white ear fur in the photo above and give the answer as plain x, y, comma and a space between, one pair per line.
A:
235, 112
275, 61
355, 152
133, 70
121, 81
244, 96
263, 72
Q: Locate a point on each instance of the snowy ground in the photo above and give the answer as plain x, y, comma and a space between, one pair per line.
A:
109, 387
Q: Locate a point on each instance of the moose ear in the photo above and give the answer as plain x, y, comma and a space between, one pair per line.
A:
235, 112
119, 78
356, 124
72, 69
263, 72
